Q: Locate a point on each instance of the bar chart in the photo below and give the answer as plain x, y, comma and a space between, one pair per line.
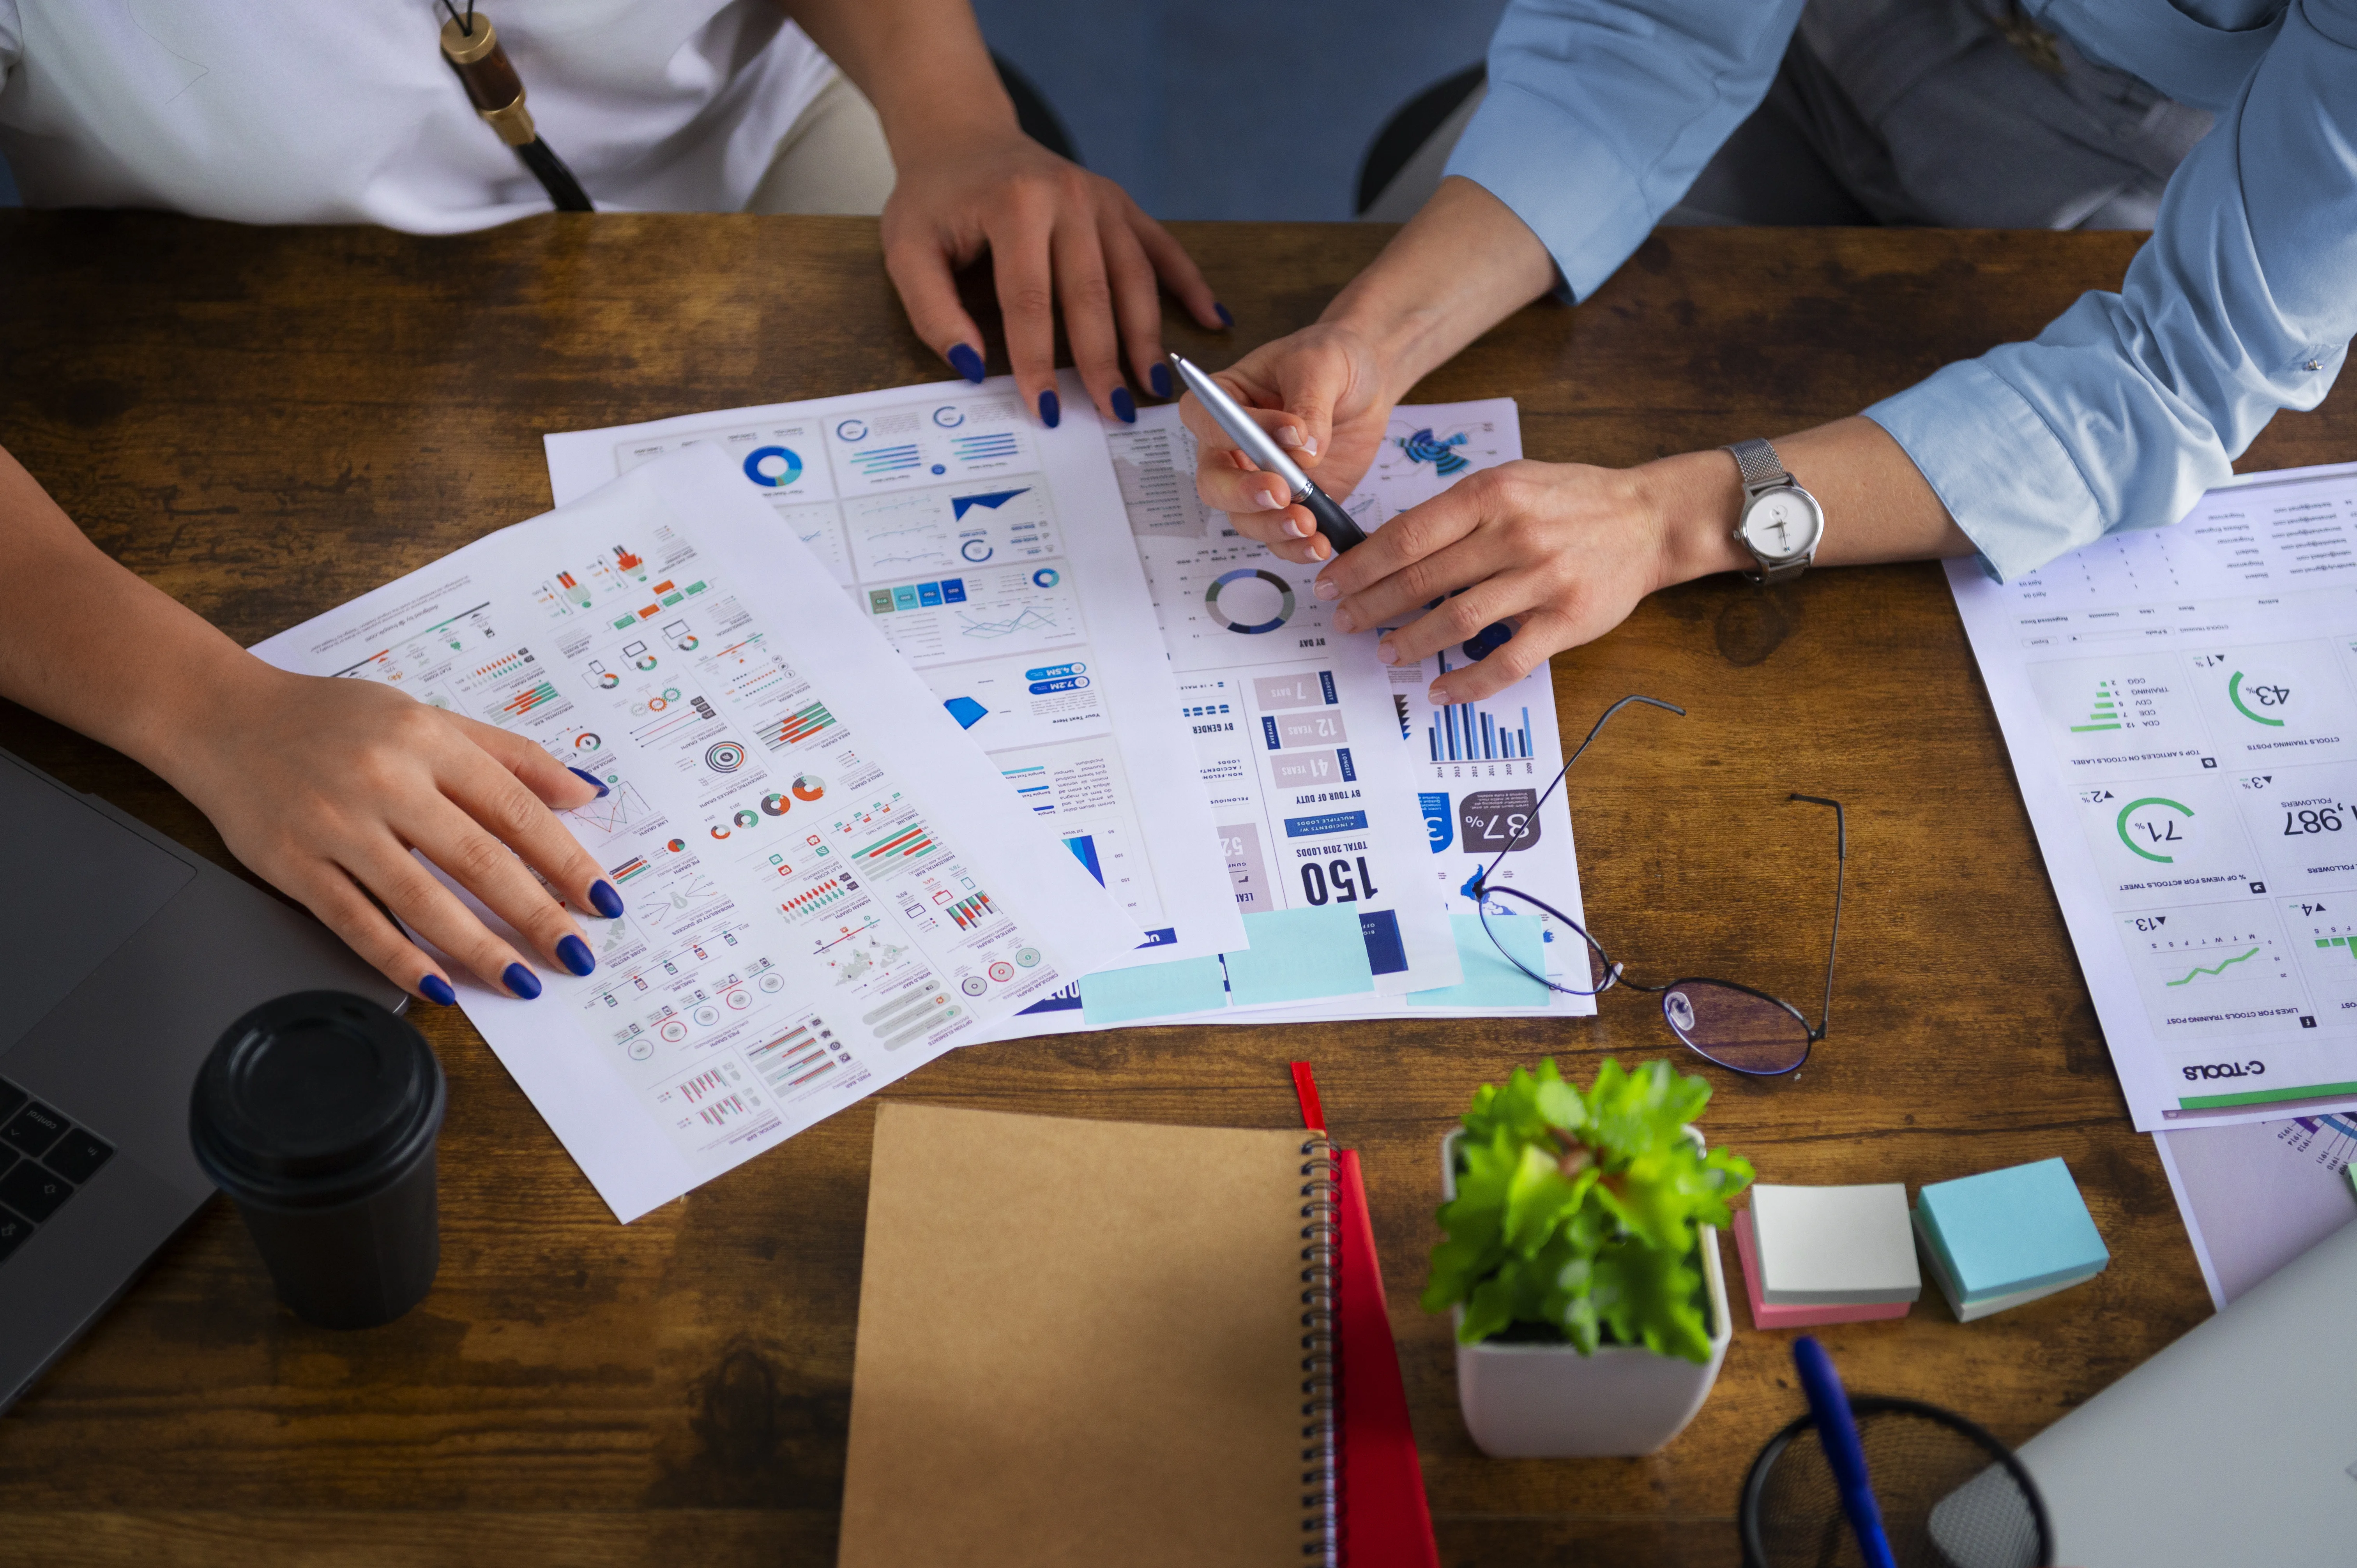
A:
1467, 732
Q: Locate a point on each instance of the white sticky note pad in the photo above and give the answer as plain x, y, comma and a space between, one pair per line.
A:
1823, 1246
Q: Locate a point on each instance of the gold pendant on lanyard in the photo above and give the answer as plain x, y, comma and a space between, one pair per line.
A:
472, 47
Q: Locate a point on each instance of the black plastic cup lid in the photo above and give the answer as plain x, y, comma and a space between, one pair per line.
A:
314, 1099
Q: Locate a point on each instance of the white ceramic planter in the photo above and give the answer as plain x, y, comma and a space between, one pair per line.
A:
1549, 1402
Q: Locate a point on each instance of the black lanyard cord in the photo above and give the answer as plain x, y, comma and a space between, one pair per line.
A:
497, 92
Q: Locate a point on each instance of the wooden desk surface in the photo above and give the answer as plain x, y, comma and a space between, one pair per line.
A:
266, 423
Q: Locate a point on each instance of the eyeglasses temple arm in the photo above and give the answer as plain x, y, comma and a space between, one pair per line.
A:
1474, 884
1841, 866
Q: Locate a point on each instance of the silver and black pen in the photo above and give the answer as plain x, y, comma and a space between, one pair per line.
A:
1262, 449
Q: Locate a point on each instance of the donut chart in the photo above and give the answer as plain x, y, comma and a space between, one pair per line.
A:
808, 787
775, 805
1250, 587
773, 467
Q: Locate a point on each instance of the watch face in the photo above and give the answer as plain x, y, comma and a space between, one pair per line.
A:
1782, 524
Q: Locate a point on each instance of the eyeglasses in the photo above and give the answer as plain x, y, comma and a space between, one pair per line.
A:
1741, 1028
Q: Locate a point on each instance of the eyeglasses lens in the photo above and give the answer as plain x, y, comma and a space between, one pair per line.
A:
1734, 1028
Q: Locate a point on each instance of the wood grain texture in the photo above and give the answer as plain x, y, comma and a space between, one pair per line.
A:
266, 423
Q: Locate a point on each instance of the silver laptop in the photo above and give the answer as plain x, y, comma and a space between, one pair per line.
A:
122, 957
2236, 1444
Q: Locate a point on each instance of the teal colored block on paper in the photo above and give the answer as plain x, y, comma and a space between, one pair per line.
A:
1299, 955
1489, 981
1152, 990
2020, 1229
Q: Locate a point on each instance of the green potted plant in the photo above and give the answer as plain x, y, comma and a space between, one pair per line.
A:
1581, 1260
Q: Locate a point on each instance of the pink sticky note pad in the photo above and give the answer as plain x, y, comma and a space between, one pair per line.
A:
1764, 1315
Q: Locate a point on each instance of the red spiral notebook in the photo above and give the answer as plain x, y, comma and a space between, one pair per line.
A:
1386, 1523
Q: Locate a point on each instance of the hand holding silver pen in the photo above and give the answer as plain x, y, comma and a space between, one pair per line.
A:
1332, 523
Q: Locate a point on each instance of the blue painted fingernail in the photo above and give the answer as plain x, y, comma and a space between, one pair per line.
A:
1125, 407
437, 991
967, 363
1160, 378
588, 778
1051, 409
605, 900
575, 954
521, 981
1225, 319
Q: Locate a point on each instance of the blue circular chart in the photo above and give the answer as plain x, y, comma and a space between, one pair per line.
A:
1251, 599
773, 467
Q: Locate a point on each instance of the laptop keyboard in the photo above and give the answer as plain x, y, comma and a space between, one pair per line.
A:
43, 1158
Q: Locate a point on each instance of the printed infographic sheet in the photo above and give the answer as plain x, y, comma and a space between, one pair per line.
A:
826, 883
989, 552
2180, 704
1481, 767
1473, 771
2257, 1195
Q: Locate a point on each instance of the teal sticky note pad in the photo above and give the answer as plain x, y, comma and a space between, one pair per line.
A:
1489, 981
2013, 1230
1297, 955
1151, 989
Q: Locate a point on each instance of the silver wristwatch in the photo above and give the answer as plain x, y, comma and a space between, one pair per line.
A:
1781, 523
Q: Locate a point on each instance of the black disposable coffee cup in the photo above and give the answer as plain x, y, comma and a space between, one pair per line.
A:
317, 1114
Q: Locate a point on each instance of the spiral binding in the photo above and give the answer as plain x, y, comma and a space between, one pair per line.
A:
1321, 1389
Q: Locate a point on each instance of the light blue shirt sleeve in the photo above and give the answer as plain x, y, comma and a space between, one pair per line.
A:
2130, 404
1602, 112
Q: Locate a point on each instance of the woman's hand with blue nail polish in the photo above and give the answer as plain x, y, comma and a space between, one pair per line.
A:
1059, 237
347, 794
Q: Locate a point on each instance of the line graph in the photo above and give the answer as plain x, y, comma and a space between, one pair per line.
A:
1029, 619
2199, 970
622, 806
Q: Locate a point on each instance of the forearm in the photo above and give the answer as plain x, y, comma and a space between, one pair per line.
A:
921, 63
1461, 265
1877, 505
90, 644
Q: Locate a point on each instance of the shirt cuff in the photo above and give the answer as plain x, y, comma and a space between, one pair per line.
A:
2001, 471
1588, 210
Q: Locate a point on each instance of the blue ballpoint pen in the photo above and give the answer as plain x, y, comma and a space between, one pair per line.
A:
1838, 1433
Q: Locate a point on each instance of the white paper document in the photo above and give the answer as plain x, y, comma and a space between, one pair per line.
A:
2257, 1195
1295, 739
1481, 767
2180, 704
917, 497
989, 552
827, 883
1475, 770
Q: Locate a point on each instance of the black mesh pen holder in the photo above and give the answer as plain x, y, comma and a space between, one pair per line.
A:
1951, 1496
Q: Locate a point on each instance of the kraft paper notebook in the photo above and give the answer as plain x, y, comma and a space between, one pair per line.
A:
1089, 1342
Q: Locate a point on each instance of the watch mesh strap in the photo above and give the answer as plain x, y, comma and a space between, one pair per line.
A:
1759, 464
